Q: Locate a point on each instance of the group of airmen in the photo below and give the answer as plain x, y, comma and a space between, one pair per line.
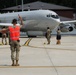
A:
48, 36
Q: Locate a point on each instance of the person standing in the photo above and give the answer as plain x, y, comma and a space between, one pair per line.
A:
14, 33
48, 35
58, 36
4, 37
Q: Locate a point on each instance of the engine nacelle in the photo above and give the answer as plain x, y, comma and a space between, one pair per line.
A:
75, 26
66, 28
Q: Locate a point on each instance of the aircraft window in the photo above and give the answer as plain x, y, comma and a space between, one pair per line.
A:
49, 15
53, 16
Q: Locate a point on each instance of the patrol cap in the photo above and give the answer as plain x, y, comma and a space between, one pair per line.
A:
14, 21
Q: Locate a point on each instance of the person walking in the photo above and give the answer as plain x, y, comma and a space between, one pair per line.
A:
48, 35
14, 33
58, 36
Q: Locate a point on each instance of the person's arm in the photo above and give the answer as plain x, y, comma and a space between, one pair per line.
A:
4, 30
21, 20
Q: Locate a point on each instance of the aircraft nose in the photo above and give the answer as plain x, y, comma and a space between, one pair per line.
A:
58, 21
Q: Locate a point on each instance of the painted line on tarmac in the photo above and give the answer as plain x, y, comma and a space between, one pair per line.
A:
37, 66
27, 42
1, 44
51, 48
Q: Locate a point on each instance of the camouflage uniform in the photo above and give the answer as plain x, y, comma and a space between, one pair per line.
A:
48, 36
4, 37
15, 47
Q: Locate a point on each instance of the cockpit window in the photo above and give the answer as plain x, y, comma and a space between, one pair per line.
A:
53, 16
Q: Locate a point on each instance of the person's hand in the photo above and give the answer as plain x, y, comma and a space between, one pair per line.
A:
19, 17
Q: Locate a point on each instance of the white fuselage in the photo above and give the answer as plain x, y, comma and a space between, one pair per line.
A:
37, 20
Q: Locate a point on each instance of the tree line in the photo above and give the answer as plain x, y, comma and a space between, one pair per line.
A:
10, 3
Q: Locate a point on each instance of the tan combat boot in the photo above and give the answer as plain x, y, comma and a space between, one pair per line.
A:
17, 63
13, 63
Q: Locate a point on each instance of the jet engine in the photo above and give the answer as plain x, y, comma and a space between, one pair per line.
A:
75, 26
66, 27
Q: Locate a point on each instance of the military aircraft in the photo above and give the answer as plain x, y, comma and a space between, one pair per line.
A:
37, 21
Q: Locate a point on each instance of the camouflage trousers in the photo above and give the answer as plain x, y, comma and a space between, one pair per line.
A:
15, 49
48, 40
4, 39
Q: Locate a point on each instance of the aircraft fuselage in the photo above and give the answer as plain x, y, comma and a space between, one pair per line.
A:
37, 20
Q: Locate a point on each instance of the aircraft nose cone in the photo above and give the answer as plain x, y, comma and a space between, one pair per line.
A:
58, 21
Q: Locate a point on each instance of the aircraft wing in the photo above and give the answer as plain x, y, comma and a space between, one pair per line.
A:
70, 22
7, 24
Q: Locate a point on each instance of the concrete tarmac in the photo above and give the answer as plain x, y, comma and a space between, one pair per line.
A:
38, 58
